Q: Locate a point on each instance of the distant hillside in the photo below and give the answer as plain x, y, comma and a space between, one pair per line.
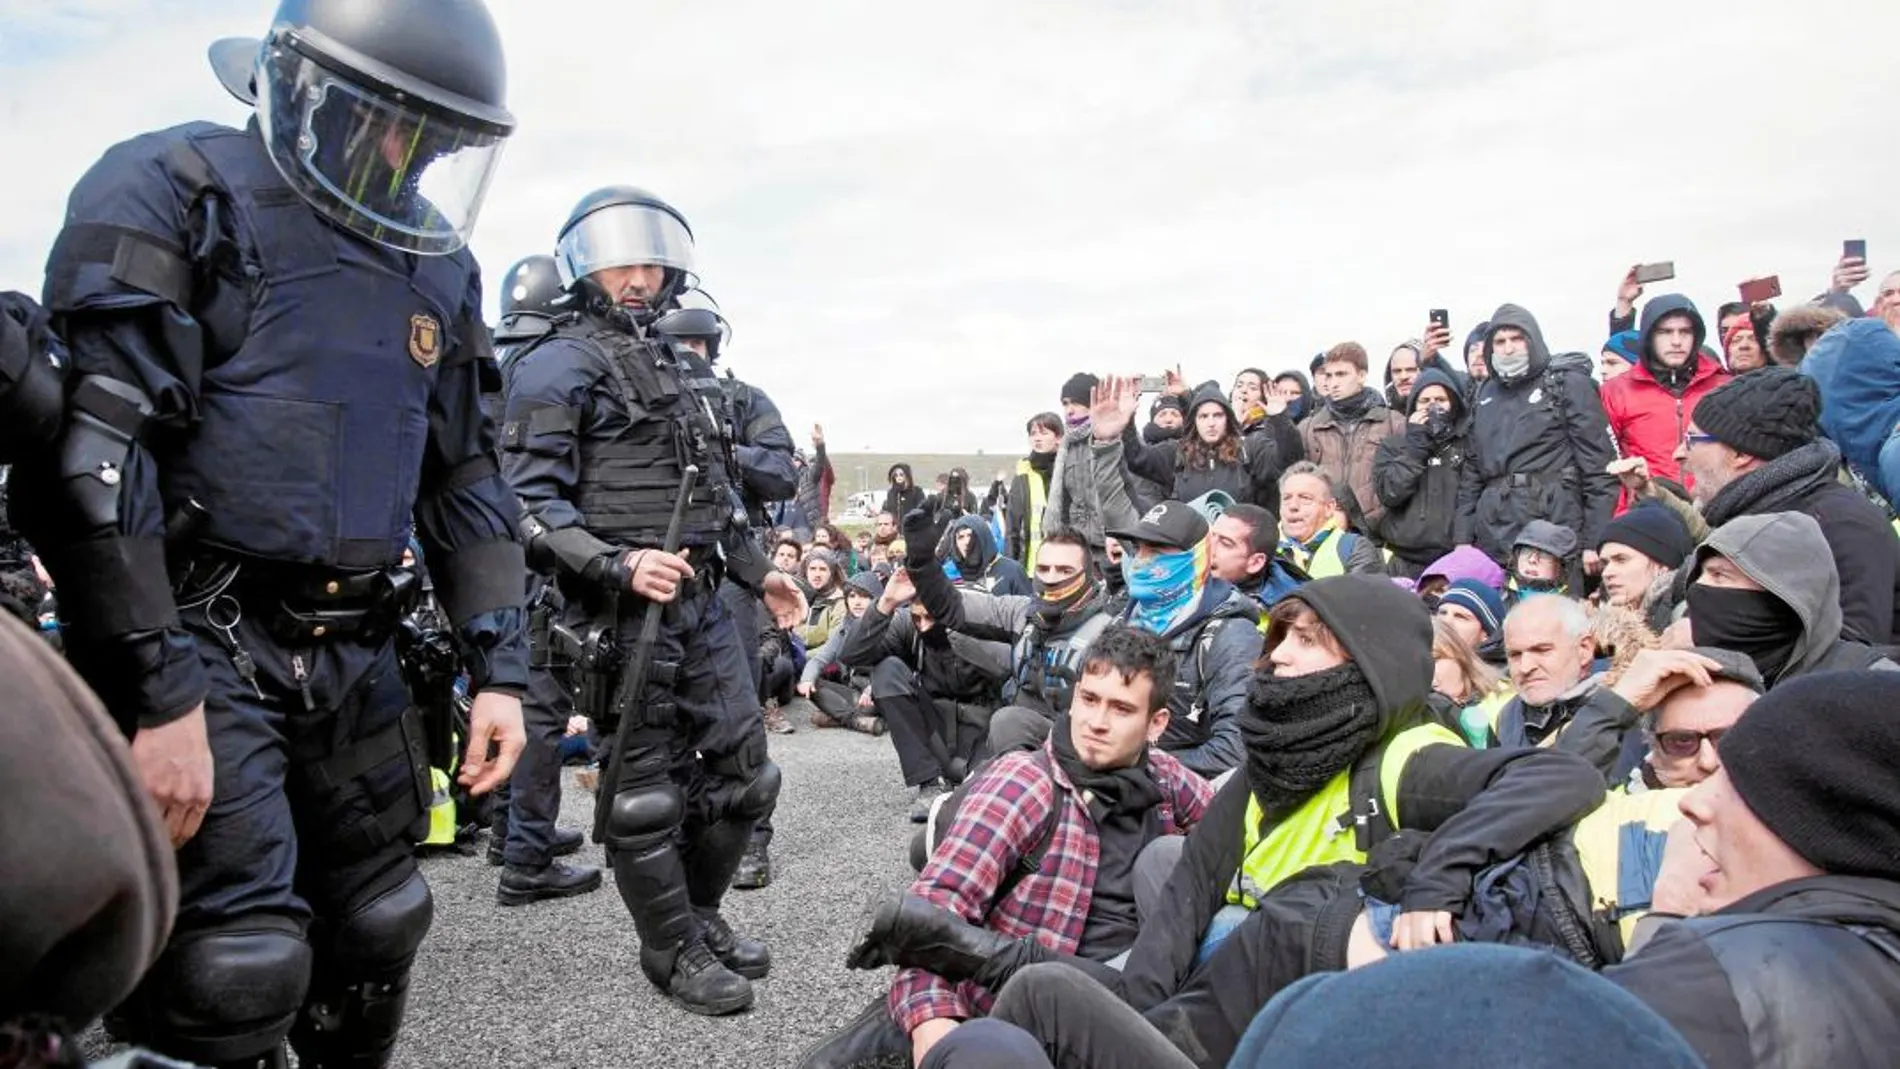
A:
866, 471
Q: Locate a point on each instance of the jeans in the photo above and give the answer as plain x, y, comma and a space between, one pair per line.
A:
1889, 468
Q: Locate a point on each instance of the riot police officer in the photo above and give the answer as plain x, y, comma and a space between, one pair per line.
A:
276, 358
603, 420
764, 450
523, 838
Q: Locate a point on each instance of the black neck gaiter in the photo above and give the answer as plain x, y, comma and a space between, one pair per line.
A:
1302, 731
1753, 622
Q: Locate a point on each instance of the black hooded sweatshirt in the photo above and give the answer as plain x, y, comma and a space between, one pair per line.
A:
1481, 805
900, 500
1416, 476
1540, 447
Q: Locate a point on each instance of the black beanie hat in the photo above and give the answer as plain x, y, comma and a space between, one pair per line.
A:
1079, 387
1168, 400
1764, 414
1653, 531
1814, 760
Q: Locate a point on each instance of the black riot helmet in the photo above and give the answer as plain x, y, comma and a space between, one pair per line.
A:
386, 116
702, 324
625, 226
533, 284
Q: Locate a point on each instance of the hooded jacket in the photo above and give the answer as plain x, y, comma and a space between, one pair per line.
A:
982, 568
1857, 367
1779, 551
1483, 805
1804, 973
898, 501
1252, 477
1214, 651
1416, 478
1460, 381
1650, 406
1346, 450
1073, 501
1540, 447
1300, 409
1466, 562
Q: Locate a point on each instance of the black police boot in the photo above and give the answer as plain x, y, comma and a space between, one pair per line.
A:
747, 957
755, 868
498, 835
673, 954
871, 1041
566, 841
521, 884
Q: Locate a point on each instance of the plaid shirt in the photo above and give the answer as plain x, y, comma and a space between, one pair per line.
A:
1003, 808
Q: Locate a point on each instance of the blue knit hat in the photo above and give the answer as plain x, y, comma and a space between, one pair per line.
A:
1479, 600
1627, 344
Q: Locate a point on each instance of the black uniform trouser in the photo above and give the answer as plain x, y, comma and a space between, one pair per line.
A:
693, 779
526, 814
748, 620
300, 906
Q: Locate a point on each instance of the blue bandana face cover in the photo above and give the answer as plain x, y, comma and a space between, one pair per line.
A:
1162, 586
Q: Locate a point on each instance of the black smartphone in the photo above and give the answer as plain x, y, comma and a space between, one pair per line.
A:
1441, 318
1855, 249
1656, 272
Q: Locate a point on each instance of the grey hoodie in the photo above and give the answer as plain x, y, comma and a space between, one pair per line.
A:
1787, 554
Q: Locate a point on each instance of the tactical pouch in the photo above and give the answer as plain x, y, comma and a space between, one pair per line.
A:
389, 770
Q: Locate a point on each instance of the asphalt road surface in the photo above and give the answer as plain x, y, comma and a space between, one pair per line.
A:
559, 983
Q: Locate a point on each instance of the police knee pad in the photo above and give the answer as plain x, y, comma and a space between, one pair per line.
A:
386, 930
640, 817
226, 994
759, 796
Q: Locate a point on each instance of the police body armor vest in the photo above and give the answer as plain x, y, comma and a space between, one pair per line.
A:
676, 415
311, 430
1048, 667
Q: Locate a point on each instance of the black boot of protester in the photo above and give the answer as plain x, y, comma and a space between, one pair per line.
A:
871, 1041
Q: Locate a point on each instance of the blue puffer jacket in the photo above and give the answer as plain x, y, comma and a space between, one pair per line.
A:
1857, 366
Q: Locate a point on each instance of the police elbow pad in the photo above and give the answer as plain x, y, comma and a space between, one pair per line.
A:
32, 393
105, 421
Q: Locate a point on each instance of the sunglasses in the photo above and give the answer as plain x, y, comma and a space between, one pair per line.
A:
1686, 744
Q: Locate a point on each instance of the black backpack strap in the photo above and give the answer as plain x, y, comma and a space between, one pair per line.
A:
1367, 817
1031, 860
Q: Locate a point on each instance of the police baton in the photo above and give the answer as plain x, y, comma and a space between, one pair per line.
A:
633, 674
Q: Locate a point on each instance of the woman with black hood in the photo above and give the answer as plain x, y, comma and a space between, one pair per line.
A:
904, 494
1344, 765
1416, 476
1211, 455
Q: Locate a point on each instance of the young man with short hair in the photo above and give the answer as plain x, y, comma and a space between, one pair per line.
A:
1085, 806
1343, 437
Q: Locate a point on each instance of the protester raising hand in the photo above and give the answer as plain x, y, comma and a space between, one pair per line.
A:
1628, 294
1112, 406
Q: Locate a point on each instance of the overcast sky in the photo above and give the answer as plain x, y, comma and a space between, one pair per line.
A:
921, 219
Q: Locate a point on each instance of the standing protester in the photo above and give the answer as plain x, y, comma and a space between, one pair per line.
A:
1029, 490
1539, 441
289, 421
1211, 455
1416, 475
904, 493
602, 423
1072, 499
816, 477
1649, 408
1343, 437
1619, 354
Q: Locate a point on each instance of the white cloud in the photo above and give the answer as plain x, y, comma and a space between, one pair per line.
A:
922, 220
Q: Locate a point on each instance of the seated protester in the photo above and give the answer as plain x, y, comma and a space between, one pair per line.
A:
787, 555
825, 579
1765, 586
1416, 474
1464, 562
1210, 455
1476, 612
1044, 845
1681, 700
1241, 549
969, 558
1790, 953
1285, 842
1313, 525
1755, 447
1476, 690
781, 658
1047, 633
842, 695
1552, 652
933, 689
1640, 552
1544, 561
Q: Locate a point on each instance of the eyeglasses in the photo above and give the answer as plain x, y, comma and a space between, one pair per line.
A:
1686, 744
1691, 439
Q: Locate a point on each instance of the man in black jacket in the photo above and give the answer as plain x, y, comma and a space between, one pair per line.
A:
1416, 475
1540, 443
1792, 955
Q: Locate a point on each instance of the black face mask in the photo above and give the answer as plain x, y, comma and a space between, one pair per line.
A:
1438, 423
1753, 622
1052, 602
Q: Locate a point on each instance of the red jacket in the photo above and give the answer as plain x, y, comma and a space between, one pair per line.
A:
1648, 421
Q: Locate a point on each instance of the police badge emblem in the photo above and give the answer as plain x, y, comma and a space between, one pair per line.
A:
425, 339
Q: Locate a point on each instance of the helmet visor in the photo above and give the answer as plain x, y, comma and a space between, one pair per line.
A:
624, 235
408, 177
